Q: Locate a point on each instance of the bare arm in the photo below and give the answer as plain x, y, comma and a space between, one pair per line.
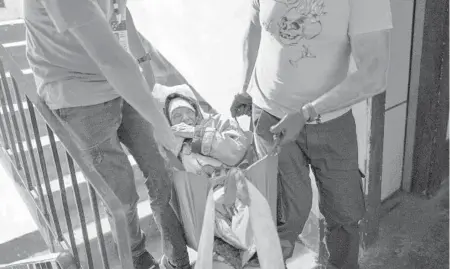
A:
371, 54
252, 39
138, 50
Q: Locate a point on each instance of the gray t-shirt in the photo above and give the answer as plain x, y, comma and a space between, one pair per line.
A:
65, 74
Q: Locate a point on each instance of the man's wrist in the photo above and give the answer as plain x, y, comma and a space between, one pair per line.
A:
244, 88
305, 114
147, 57
310, 112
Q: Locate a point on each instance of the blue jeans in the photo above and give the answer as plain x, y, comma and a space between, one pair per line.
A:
99, 131
331, 150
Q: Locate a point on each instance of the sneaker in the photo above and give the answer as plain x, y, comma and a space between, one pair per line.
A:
165, 264
145, 261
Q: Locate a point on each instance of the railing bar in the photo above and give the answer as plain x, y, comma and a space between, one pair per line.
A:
25, 129
6, 117
30, 152
2, 126
79, 203
44, 170
51, 199
63, 193
98, 226
33, 158
3, 131
9, 100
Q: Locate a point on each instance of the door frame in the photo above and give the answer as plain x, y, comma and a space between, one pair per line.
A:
423, 159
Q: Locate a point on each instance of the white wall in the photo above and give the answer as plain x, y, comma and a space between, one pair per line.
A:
12, 11
396, 96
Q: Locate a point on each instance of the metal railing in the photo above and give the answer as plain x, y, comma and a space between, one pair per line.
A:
18, 94
62, 260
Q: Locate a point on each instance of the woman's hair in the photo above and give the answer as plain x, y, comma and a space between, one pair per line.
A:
172, 96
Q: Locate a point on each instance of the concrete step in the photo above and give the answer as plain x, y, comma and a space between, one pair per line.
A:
12, 31
55, 187
22, 247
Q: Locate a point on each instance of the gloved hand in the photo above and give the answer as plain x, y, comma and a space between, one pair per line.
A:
241, 105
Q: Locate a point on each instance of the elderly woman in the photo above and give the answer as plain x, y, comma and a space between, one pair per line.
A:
209, 143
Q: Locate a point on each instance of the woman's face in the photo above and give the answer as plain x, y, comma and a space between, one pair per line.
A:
183, 115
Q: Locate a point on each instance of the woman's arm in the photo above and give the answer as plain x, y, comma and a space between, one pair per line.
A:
221, 139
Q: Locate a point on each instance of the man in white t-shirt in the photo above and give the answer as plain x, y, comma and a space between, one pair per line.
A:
297, 87
85, 56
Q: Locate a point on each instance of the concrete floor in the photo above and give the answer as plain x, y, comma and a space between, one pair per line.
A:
413, 235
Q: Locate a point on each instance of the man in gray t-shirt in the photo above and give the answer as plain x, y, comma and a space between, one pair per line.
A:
296, 85
80, 53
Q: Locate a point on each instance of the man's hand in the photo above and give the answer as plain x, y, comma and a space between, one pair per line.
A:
183, 130
241, 105
289, 127
166, 138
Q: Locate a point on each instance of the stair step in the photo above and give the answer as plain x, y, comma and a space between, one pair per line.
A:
22, 247
12, 31
143, 204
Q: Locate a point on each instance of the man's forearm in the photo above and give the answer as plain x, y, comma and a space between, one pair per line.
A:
120, 69
250, 53
355, 88
371, 53
128, 81
137, 50
136, 47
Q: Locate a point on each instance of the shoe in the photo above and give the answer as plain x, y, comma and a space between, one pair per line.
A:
145, 261
164, 263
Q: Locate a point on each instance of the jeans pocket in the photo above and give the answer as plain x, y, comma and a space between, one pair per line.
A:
91, 125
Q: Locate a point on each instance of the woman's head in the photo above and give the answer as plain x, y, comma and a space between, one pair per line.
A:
181, 109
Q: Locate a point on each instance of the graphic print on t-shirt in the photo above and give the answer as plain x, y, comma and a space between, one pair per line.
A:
300, 22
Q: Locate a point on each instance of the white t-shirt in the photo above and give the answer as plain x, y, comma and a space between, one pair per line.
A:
305, 48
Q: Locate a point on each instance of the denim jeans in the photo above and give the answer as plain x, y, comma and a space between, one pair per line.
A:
330, 149
99, 130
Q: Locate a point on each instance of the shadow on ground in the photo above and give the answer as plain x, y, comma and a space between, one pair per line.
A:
413, 235
22, 247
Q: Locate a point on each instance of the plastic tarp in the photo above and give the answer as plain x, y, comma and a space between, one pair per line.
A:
191, 200
264, 230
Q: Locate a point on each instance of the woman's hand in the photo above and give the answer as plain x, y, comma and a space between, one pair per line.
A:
183, 130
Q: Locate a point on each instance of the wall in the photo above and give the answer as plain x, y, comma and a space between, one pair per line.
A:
396, 97
12, 11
